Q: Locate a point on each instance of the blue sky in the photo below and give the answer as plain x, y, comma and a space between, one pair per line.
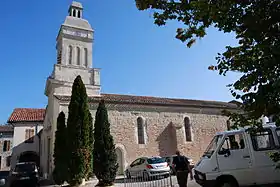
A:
136, 56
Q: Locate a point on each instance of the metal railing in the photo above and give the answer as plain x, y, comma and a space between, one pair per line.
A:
141, 181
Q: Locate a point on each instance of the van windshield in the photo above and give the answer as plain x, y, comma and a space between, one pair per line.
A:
213, 146
25, 168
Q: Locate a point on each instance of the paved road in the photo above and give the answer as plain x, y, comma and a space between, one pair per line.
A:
121, 182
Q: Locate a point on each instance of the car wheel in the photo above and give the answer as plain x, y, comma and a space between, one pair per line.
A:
127, 174
146, 176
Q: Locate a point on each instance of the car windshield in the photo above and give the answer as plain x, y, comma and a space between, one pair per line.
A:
25, 168
156, 160
4, 173
213, 146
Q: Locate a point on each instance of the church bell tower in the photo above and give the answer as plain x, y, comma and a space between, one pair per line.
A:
74, 55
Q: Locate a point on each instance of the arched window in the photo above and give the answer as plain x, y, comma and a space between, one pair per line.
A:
140, 130
70, 52
188, 130
74, 13
86, 57
79, 13
78, 56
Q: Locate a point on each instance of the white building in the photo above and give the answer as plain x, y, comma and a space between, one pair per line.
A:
6, 144
27, 123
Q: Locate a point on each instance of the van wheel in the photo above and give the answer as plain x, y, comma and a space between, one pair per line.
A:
229, 183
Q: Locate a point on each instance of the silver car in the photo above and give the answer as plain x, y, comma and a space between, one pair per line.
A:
148, 167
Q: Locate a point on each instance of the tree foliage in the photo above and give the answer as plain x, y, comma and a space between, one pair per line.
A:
104, 154
89, 148
256, 57
256, 24
60, 170
79, 132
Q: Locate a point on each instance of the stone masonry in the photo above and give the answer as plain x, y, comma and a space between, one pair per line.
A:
164, 127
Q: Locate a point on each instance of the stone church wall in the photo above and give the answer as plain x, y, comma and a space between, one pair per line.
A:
161, 136
161, 139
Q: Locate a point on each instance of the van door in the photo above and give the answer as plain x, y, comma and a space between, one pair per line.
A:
234, 158
264, 168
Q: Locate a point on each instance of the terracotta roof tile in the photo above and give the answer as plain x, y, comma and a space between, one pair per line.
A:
6, 128
27, 115
158, 101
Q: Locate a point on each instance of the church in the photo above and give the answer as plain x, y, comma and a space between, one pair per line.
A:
140, 125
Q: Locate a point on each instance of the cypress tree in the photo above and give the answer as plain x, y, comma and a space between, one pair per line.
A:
90, 149
79, 125
104, 154
60, 170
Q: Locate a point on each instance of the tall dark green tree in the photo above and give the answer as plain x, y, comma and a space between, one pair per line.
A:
89, 152
60, 165
79, 132
104, 155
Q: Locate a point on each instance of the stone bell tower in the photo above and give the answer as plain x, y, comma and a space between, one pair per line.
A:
74, 56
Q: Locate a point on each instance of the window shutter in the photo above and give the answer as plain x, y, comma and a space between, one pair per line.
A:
9, 145
26, 134
5, 146
32, 133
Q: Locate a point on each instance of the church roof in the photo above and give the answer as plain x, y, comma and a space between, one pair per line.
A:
158, 101
77, 23
27, 115
77, 4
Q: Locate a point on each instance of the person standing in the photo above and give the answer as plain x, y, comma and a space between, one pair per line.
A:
182, 169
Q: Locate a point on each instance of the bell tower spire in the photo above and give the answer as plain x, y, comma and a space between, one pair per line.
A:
74, 45
75, 10
75, 39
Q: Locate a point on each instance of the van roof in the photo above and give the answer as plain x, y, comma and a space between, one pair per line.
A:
243, 129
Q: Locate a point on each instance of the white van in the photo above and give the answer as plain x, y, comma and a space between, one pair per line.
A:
240, 158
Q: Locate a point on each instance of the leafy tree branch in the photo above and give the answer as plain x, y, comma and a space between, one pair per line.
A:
256, 24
